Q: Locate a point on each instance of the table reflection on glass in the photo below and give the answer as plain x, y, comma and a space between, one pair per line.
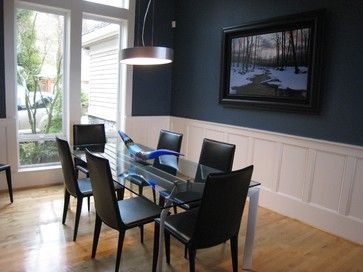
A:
189, 179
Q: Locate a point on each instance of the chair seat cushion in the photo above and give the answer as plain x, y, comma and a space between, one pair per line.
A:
117, 186
181, 225
85, 186
137, 180
4, 166
82, 169
137, 210
188, 196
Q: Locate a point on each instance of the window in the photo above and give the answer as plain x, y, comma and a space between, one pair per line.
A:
100, 73
40, 87
48, 81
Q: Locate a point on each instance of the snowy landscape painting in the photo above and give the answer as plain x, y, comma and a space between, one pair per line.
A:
272, 63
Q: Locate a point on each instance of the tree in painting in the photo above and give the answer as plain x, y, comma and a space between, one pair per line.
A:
271, 65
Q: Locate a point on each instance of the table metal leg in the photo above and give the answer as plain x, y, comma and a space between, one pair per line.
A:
163, 215
253, 194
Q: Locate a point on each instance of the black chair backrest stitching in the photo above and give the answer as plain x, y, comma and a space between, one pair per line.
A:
103, 190
69, 174
168, 140
84, 134
221, 208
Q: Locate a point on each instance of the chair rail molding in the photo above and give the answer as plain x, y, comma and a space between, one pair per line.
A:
315, 181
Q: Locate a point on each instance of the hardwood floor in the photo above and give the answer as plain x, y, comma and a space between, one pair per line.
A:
32, 238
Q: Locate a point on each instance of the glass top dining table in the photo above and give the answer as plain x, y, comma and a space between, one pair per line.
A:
128, 172
189, 180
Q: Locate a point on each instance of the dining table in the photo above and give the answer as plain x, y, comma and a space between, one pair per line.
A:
190, 177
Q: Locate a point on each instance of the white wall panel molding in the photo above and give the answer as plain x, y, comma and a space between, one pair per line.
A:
347, 185
309, 175
316, 181
146, 129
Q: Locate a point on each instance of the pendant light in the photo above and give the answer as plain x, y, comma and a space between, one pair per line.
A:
147, 55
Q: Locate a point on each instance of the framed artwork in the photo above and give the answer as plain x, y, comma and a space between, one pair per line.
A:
274, 64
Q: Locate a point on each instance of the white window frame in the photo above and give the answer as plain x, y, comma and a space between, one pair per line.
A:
123, 3
74, 10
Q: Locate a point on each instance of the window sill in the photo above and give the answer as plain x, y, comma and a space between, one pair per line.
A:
39, 168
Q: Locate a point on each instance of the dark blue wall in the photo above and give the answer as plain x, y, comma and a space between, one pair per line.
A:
152, 84
196, 75
2, 75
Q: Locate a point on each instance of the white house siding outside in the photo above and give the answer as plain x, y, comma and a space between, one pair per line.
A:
103, 76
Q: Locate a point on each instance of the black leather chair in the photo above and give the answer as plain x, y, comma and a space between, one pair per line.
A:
79, 188
119, 215
85, 134
6, 168
215, 154
217, 220
167, 140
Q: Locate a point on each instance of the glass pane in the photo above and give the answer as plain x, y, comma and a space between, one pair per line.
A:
39, 72
40, 51
100, 73
39, 152
113, 3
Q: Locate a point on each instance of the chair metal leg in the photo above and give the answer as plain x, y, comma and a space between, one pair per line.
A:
141, 189
119, 249
78, 215
66, 204
141, 233
120, 194
234, 252
156, 246
10, 187
161, 201
89, 203
191, 259
96, 235
154, 196
141, 227
167, 246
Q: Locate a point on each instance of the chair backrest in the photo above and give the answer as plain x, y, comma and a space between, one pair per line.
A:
103, 190
221, 208
69, 174
168, 140
84, 134
217, 155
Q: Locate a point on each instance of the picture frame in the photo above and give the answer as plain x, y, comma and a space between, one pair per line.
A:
274, 64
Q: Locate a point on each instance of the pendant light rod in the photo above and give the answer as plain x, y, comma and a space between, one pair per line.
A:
143, 24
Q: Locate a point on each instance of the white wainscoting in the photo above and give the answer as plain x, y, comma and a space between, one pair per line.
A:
317, 182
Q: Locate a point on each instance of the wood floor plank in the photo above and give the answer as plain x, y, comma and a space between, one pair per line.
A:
32, 238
